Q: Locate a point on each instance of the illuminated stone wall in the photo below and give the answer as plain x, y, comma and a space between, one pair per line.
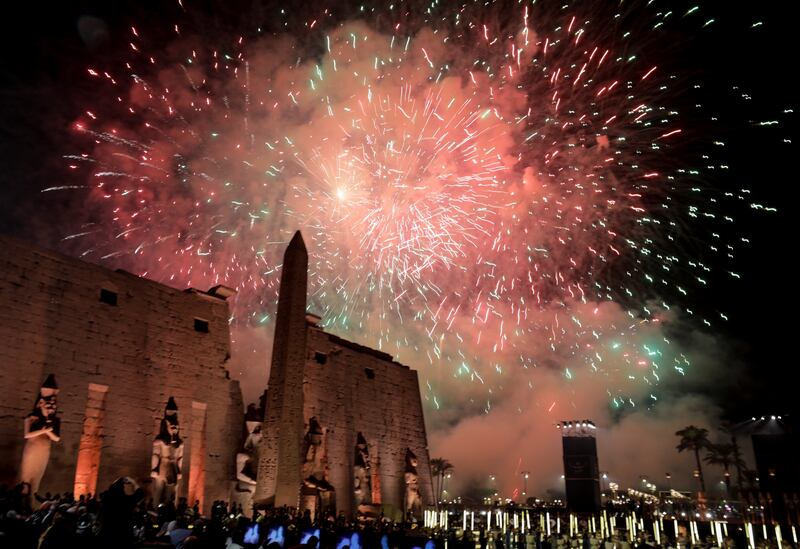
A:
349, 389
116, 366
358, 389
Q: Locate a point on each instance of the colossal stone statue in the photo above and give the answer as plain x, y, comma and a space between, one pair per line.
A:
41, 428
313, 466
316, 493
247, 459
167, 461
362, 473
413, 500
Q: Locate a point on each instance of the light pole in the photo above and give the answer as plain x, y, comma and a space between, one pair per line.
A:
525, 475
444, 490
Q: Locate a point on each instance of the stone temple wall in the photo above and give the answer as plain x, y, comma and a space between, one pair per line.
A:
352, 389
349, 389
116, 365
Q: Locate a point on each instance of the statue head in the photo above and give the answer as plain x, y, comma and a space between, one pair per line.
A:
253, 418
253, 434
314, 432
170, 428
172, 408
411, 461
362, 452
46, 403
253, 413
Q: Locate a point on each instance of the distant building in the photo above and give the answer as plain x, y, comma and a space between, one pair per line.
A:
776, 448
344, 426
118, 346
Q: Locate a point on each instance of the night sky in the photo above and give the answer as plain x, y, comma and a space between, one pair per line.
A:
745, 68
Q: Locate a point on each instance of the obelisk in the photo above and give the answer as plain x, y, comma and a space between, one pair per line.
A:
279, 468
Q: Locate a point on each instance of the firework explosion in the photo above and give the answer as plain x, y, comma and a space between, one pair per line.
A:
499, 202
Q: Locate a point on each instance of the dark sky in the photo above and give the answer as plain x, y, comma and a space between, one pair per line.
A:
43, 89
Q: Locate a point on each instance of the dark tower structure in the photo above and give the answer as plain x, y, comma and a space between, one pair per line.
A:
775, 448
581, 471
279, 474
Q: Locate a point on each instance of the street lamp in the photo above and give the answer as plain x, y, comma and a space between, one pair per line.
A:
525, 475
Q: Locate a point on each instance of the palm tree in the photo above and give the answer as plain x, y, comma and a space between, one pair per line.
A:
694, 439
440, 467
724, 455
738, 461
751, 478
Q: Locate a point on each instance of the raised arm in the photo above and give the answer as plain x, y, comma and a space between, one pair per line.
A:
29, 421
51, 432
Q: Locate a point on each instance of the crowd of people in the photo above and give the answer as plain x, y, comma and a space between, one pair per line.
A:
122, 517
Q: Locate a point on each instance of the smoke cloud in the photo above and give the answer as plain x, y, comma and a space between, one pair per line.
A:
476, 203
